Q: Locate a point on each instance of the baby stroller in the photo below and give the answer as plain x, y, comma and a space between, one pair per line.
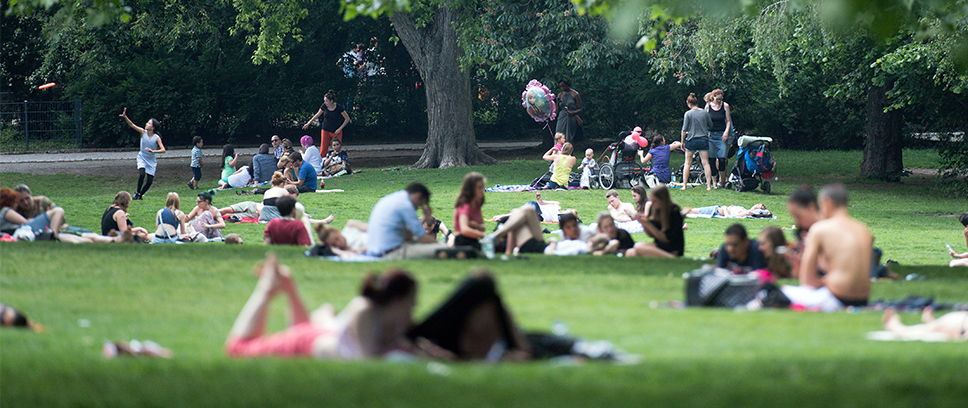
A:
620, 170
697, 174
754, 165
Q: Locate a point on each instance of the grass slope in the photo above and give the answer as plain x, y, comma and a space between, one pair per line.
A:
186, 297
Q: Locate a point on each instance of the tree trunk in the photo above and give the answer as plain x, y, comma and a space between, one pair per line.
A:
450, 116
883, 144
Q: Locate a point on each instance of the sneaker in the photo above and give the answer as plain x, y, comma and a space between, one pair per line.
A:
191, 186
137, 196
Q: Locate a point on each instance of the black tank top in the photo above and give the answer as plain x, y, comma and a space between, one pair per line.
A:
719, 119
107, 220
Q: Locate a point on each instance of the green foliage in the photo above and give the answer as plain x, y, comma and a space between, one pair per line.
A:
953, 169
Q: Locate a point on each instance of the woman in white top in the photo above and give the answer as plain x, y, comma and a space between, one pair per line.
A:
311, 154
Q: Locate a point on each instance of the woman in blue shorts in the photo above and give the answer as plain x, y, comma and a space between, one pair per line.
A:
695, 138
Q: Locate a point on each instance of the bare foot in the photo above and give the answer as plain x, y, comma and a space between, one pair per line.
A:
927, 315
890, 319
329, 219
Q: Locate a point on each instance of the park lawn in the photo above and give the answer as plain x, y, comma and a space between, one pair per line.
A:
186, 297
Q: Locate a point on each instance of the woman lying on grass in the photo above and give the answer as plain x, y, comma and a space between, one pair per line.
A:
467, 326
953, 325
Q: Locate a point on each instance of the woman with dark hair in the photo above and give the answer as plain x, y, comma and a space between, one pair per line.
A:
10, 317
263, 165
468, 221
115, 218
208, 226
641, 199
659, 155
718, 135
150, 145
569, 106
695, 138
335, 119
370, 325
664, 224
229, 158
773, 246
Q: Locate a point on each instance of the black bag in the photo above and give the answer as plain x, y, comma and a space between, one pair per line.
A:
715, 287
541, 182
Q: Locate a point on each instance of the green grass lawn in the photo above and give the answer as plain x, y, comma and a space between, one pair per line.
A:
186, 297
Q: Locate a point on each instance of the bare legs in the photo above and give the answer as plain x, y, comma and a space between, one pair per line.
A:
273, 278
952, 324
704, 157
648, 249
522, 225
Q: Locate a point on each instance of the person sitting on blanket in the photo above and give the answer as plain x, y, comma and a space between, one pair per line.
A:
169, 222
333, 242
729, 211
664, 224
572, 241
738, 253
953, 325
843, 247
240, 178
522, 227
622, 213
287, 230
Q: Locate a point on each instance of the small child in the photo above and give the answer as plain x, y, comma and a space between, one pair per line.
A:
196, 163
588, 165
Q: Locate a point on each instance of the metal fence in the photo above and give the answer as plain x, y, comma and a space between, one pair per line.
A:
33, 126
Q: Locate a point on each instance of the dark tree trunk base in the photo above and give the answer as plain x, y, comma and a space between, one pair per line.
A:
883, 148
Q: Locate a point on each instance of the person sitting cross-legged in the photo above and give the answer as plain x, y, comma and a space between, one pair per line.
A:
287, 230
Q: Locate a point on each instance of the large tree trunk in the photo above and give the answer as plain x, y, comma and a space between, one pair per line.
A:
883, 147
450, 117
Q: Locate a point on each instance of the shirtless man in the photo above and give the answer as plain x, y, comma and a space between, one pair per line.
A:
839, 245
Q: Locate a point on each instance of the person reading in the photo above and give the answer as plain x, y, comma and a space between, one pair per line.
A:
839, 245
395, 231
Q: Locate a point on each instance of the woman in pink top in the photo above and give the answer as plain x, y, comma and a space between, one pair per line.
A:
370, 325
468, 221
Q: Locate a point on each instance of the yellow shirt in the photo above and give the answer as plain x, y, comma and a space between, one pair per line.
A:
562, 171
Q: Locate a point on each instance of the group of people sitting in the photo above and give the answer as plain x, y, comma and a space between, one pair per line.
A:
302, 168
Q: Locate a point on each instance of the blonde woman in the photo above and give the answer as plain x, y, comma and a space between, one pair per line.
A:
170, 222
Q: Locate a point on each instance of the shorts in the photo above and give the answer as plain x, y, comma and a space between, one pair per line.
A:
39, 223
197, 173
717, 147
295, 341
162, 240
460, 240
697, 144
532, 246
246, 209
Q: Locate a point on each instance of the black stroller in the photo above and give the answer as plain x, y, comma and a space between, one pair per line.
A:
621, 170
754, 165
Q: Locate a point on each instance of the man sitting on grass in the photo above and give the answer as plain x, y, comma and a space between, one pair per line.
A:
286, 230
739, 253
395, 231
843, 247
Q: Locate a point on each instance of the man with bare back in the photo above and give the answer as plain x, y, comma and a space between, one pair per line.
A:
842, 247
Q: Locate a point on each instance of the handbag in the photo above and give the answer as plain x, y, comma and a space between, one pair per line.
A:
716, 287
578, 120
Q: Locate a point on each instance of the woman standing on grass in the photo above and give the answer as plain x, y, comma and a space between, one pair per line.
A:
569, 106
695, 138
718, 136
150, 145
468, 221
335, 120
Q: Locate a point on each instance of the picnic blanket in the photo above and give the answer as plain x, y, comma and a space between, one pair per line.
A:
509, 188
710, 212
